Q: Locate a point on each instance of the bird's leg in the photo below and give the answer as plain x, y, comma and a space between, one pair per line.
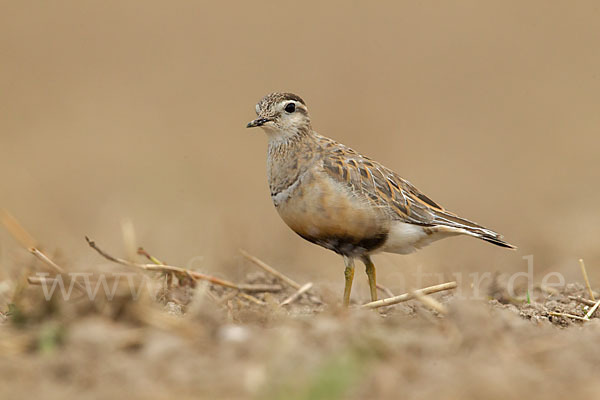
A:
372, 276
349, 276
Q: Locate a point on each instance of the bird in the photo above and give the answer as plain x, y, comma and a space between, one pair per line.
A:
332, 196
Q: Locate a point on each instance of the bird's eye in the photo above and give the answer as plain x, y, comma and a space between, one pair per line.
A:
290, 108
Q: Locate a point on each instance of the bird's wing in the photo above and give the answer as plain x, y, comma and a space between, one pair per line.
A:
379, 185
385, 188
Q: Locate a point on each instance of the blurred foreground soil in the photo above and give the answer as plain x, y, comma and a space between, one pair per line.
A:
185, 339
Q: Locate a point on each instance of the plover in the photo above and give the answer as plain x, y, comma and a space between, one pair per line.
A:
339, 199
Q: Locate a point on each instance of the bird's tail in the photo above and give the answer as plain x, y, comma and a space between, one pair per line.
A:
497, 241
472, 229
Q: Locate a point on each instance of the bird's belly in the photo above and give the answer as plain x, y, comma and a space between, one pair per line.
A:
326, 214
405, 238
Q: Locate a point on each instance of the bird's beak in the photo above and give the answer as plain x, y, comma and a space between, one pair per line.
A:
257, 122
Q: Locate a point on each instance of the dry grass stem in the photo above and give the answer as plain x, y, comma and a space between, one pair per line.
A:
46, 260
192, 274
258, 287
587, 281
577, 317
582, 300
592, 310
54, 266
16, 230
305, 288
270, 270
430, 302
252, 299
39, 280
408, 296
49, 280
150, 257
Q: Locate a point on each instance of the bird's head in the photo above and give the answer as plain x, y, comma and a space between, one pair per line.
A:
282, 116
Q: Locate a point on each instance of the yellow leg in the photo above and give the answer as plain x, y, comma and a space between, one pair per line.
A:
372, 276
349, 276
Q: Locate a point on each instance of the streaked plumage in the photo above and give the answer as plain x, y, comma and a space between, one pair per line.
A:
332, 196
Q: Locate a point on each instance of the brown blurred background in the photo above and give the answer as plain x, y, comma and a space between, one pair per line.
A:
135, 111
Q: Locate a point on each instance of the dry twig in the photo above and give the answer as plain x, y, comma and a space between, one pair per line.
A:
577, 317
408, 296
583, 300
430, 302
252, 299
305, 288
39, 280
49, 280
17, 231
587, 316
54, 266
270, 270
192, 274
266, 267
592, 310
150, 257
258, 287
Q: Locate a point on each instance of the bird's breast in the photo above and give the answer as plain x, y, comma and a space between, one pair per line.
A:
324, 212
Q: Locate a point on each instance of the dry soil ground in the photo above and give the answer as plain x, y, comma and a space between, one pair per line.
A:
187, 339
